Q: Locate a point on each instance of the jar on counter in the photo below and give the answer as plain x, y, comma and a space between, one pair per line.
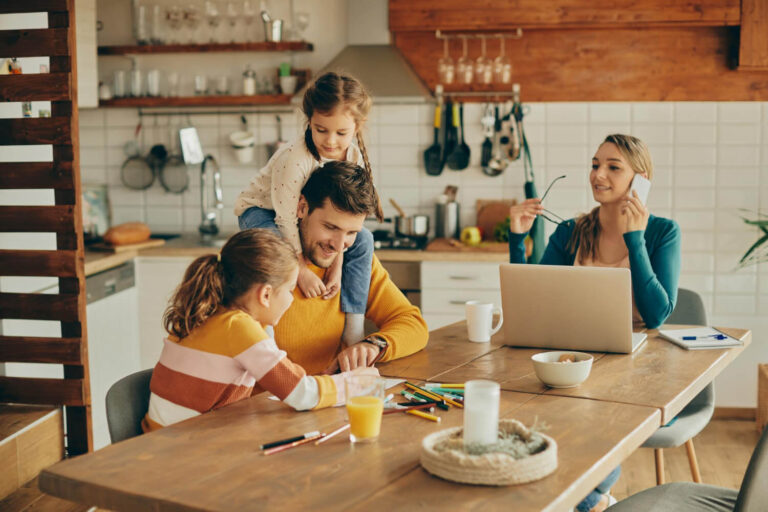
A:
249, 82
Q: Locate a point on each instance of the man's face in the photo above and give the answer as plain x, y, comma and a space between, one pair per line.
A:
326, 232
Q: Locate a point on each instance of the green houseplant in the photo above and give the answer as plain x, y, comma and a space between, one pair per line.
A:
759, 250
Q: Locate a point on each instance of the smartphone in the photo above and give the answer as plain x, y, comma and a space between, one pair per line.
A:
642, 186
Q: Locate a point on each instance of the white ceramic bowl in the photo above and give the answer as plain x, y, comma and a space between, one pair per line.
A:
562, 375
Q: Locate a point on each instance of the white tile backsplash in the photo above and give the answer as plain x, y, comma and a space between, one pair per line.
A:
695, 112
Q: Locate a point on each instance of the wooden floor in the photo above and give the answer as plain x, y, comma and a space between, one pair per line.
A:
723, 450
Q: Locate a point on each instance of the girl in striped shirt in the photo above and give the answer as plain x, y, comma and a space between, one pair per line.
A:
219, 347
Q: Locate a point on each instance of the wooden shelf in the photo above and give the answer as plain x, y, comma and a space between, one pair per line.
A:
263, 46
200, 101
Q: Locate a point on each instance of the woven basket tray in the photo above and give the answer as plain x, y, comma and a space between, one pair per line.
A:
490, 468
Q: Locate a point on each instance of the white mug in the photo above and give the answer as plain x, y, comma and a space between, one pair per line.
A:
480, 320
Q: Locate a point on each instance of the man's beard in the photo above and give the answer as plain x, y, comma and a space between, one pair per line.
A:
309, 252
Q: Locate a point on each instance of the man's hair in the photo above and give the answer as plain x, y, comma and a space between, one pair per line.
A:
348, 186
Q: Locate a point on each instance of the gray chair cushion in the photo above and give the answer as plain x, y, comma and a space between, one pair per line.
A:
753, 495
691, 420
679, 497
127, 403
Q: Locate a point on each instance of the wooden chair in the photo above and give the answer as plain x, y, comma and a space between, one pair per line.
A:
696, 415
687, 496
127, 404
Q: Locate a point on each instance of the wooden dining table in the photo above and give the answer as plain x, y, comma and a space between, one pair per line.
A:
213, 461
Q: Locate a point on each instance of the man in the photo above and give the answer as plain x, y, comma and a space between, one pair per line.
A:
334, 203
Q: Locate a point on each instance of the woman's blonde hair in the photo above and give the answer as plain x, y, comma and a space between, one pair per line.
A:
327, 93
586, 232
250, 257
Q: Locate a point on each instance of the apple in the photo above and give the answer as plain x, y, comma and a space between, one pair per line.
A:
471, 236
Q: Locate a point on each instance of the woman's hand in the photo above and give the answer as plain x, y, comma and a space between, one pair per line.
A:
521, 216
309, 284
635, 213
333, 277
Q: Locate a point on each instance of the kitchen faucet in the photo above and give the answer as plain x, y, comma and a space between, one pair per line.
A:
209, 214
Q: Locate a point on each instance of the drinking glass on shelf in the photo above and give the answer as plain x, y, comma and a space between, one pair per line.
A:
157, 19
464, 67
137, 83
232, 14
213, 17
173, 84
250, 10
201, 85
174, 16
141, 14
153, 82
446, 71
192, 18
118, 84
300, 23
502, 67
483, 68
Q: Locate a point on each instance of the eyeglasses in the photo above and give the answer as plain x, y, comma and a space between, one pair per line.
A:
549, 213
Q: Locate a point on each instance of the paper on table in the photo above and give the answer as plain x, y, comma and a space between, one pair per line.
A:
388, 383
704, 338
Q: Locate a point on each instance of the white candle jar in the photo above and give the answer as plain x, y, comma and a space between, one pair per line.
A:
481, 412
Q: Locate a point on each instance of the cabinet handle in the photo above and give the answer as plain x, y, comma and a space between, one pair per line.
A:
459, 302
461, 278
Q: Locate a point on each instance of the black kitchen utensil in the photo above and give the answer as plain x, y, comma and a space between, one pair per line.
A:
498, 161
458, 160
487, 147
451, 132
433, 158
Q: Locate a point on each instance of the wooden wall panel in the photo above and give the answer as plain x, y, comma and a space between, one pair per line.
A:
34, 42
649, 64
464, 15
37, 87
753, 48
25, 349
56, 175
22, 390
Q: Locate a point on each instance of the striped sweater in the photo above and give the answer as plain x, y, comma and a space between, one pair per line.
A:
221, 362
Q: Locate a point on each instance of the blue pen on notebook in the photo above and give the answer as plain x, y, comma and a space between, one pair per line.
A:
707, 337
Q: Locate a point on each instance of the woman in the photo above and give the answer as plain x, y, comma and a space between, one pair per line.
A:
620, 232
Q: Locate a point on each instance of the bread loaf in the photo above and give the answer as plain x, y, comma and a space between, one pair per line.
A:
128, 233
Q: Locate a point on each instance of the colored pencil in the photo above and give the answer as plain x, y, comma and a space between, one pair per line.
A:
426, 416
416, 388
410, 408
292, 445
429, 385
290, 440
332, 434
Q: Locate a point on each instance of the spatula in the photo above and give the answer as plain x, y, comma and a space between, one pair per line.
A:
433, 161
488, 125
458, 160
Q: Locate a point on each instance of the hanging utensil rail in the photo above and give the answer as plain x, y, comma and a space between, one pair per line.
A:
517, 34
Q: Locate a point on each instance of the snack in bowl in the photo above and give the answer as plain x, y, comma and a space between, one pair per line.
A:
560, 369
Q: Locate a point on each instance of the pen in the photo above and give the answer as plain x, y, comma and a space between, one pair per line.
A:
428, 407
429, 385
337, 431
293, 444
708, 336
289, 440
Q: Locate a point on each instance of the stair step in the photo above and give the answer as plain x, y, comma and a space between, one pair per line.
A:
31, 438
28, 498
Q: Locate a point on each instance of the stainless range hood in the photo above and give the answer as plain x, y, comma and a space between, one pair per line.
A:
384, 71
371, 58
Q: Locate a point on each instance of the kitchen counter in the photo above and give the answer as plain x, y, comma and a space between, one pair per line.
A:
189, 246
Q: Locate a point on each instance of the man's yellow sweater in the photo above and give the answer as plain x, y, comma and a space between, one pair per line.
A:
310, 331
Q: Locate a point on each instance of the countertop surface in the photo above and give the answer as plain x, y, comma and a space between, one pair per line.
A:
189, 246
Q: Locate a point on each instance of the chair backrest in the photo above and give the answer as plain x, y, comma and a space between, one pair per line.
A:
753, 494
689, 309
127, 403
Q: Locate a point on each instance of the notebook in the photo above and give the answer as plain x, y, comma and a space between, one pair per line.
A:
570, 308
699, 338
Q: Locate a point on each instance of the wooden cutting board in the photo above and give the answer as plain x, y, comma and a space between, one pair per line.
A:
453, 245
490, 212
105, 247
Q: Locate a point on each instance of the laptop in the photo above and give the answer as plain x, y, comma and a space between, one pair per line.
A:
567, 307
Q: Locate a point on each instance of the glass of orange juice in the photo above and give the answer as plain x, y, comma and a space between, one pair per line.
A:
365, 404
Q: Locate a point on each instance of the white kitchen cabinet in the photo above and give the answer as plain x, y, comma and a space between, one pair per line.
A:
157, 279
446, 286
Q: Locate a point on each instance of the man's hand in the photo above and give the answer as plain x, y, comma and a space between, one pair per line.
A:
309, 284
359, 355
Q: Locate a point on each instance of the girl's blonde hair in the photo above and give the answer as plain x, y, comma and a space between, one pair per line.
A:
250, 257
586, 232
330, 91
